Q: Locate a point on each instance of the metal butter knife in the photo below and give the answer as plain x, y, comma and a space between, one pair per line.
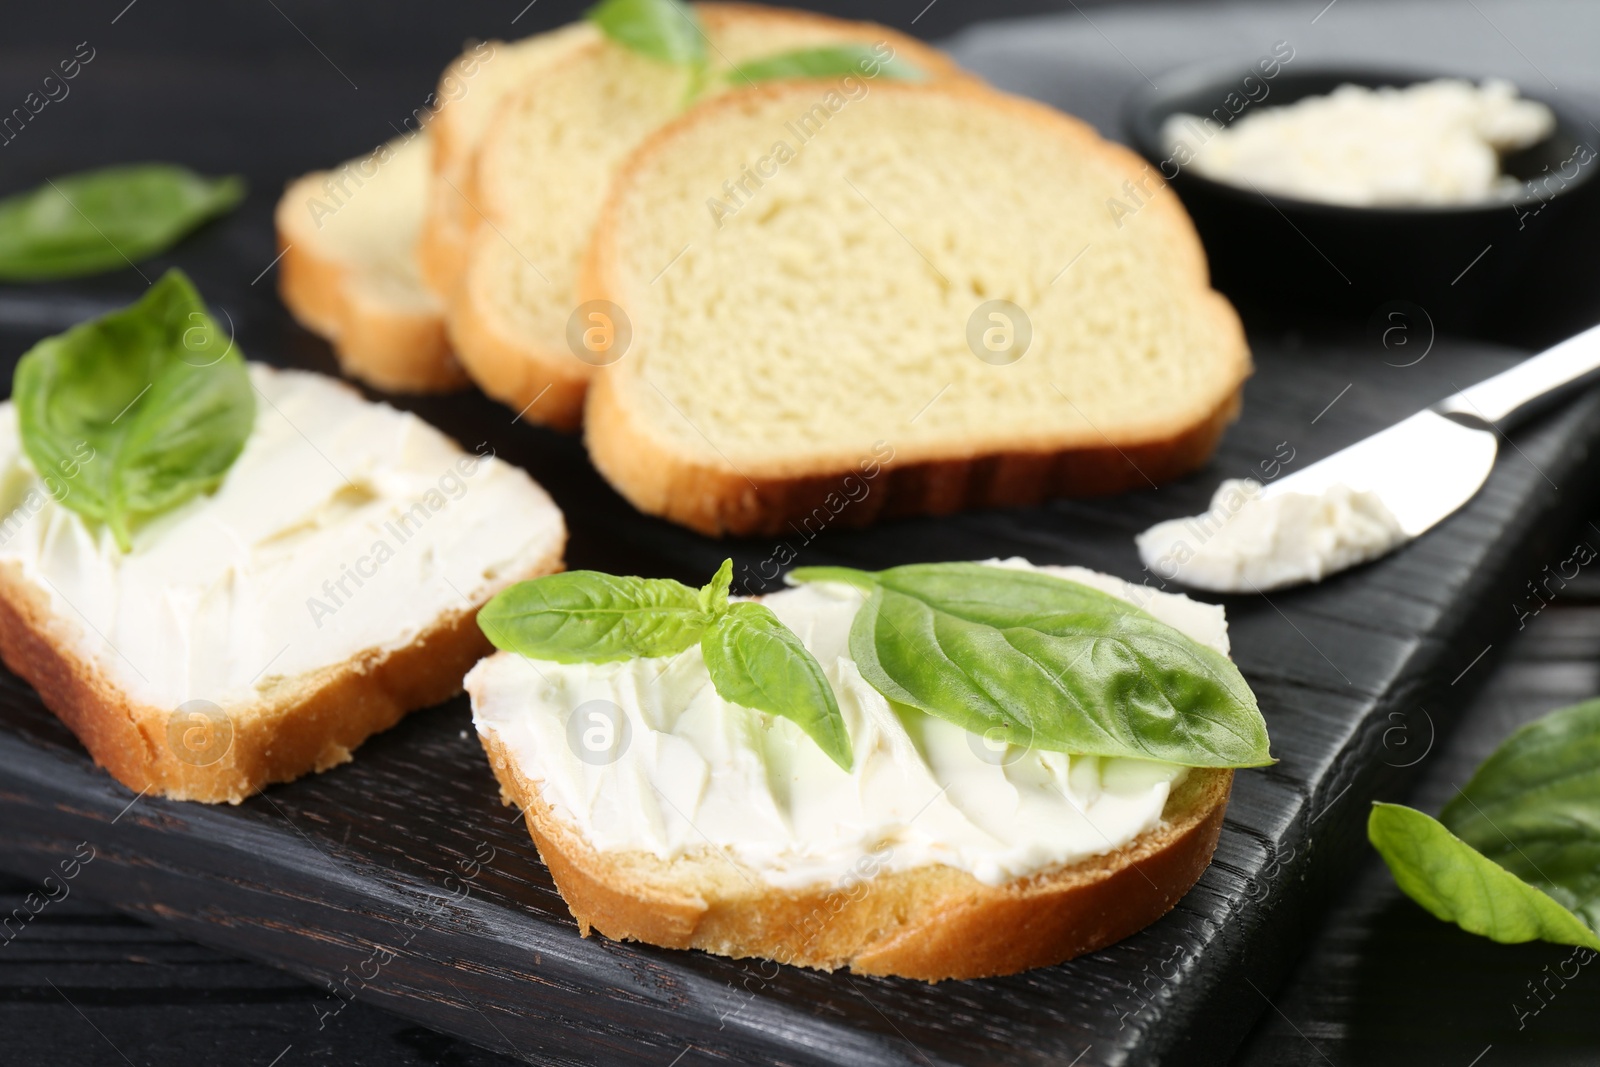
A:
1427, 466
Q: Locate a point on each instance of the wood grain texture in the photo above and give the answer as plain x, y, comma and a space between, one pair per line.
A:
1384, 983
398, 880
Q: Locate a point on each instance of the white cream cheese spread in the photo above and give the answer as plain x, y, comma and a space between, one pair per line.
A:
1249, 543
644, 756
344, 527
1437, 142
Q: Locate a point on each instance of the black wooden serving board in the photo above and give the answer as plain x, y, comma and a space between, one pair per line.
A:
401, 880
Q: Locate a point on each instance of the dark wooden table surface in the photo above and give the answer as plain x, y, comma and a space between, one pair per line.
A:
1381, 983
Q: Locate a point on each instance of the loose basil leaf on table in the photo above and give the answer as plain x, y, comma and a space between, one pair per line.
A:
106, 219
826, 61
663, 30
753, 659
158, 392
758, 662
1458, 884
1047, 662
1534, 807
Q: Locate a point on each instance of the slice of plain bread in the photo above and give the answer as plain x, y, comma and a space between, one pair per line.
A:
470, 91
931, 923
832, 313
540, 179
349, 273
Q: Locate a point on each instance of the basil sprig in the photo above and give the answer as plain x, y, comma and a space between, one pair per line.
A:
156, 389
105, 219
1038, 660
669, 31
753, 659
1516, 855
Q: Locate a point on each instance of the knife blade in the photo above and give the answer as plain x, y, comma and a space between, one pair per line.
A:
1426, 467
1368, 499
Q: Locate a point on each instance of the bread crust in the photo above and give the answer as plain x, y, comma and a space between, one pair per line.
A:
547, 389
442, 245
717, 500
516, 369
390, 347
449, 218
712, 496
931, 923
311, 724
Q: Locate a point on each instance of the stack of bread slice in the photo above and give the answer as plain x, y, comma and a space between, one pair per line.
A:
960, 297
542, 172
461, 245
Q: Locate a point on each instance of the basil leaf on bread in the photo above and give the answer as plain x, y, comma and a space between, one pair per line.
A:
826, 61
590, 617
753, 659
669, 31
1021, 656
758, 662
159, 393
664, 30
1039, 660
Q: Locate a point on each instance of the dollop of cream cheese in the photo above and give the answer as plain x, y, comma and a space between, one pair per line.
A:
1436, 142
644, 756
1248, 543
344, 527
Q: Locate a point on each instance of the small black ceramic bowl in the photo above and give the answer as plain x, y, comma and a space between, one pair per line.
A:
1280, 257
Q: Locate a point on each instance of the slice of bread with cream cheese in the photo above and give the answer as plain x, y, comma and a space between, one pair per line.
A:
670, 815
265, 629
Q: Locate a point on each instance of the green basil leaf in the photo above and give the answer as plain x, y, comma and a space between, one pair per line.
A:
1458, 884
663, 30
1051, 663
714, 594
156, 390
590, 617
1534, 807
865, 581
827, 61
758, 662
103, 220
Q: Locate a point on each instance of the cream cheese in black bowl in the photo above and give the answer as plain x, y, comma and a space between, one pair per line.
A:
1461, 265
